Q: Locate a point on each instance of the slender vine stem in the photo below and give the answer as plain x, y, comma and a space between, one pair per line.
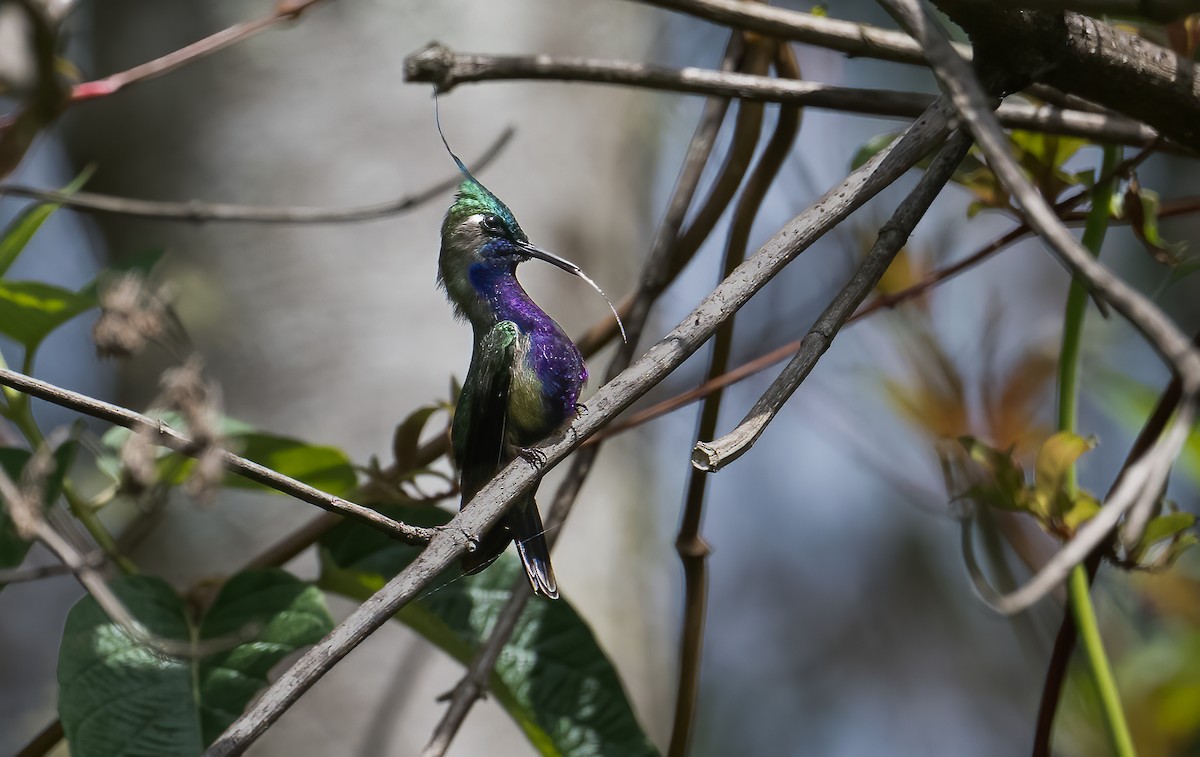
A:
1078, 588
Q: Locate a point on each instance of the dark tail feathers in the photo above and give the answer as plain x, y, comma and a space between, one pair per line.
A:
523, 524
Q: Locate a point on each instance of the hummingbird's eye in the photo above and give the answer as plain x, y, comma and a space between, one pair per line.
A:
491, 224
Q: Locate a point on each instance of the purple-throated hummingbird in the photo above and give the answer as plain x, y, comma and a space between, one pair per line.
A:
525, 374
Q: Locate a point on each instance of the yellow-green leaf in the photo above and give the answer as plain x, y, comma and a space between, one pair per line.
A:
1054, 460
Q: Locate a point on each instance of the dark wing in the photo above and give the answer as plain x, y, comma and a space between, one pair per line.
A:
481, 418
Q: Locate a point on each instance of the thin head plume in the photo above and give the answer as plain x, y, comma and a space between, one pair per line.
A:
437, 119
534, 251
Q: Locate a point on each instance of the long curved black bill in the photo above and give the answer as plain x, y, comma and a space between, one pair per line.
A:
534, 251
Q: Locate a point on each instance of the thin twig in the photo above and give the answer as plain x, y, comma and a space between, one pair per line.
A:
160, 433
489, 505
710, 457
1064, 640
856, 40
25, 575
1139, 491
656, 271
285, 10
45, 740
444, 68
691, 547
196, 211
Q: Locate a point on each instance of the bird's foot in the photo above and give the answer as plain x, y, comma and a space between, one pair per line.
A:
580, 410
534, 457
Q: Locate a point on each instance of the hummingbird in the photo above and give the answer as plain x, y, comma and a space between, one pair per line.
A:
525, 374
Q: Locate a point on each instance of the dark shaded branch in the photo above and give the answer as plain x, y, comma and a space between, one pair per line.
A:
1154, 10
1082, 56
856, 40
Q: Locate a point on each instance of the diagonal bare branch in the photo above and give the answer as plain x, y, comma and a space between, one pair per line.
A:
285, 10
712, 456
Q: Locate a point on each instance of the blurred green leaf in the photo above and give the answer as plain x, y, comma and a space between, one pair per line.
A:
1083, 509
119, 698
1130, 402
871, 148
17, 234
1140, 207
1055, 458
30, 310
1007, 474
322, 467
407, 438
552, 677
1167, 526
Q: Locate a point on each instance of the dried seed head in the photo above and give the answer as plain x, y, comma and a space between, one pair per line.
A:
130, 315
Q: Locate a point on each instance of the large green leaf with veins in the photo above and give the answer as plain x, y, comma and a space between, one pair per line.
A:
552, 677
117, 697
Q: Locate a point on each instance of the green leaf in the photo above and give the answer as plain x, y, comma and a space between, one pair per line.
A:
1167, 526
1141, 208
30, 310
117, 697
1083, 509
22, 228
871, 148
407, 438
1055, 458
1009, 476
552, 678
324, 468
12, 547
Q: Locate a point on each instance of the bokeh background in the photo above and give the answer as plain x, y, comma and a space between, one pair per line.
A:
841, 621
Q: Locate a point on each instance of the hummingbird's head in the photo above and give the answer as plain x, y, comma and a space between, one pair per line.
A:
482, 243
